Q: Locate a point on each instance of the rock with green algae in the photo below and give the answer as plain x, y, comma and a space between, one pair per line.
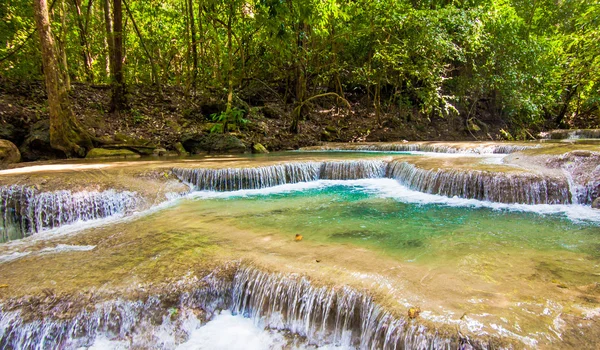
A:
111, 153
180, 149
213, 143
9, 153
258, 148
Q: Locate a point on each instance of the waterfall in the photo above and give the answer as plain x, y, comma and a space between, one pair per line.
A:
323, 315
582, 171
24, 210
523, 188
482, 185
574, 134
327, 315
232, 179
424, 147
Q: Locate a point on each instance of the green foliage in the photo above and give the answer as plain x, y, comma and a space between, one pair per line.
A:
527, 62
138, 117
234, 116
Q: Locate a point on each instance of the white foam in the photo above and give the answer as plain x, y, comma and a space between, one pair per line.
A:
228, 332
53, 167
104, 343
62, 248
12, 256
390, 188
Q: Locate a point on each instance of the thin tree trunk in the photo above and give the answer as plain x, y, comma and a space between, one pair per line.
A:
63, 46
109, 40
202, 49
229, 65
188, 81
85, 52
66, 134
194, 43
118, 101
143, 42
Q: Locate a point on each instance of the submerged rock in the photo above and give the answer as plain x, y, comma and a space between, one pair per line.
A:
9, 153
111, 153
259, 148
212, 143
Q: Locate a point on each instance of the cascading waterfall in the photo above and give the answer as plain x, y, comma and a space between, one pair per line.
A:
572, 134
24, 210
482, 185
436, 148
582, 171
327, 315
489, 186
233, 179
323, 315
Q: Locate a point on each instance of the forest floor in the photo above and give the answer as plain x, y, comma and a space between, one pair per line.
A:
163, 120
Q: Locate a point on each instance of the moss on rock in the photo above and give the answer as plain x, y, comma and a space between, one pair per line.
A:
9, 153
258, 148
111, 153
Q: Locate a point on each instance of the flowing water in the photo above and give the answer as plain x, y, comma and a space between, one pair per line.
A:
472, 261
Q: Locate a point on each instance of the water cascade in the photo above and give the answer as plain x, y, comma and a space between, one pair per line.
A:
482, 185
571, 134
326, 315
233, 179
24, 210
323, 315
524, 188
424, 147
582, 171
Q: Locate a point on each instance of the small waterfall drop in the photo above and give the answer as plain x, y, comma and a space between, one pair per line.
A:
25, 211
582, 171
233, 179
425, 147
327, 315
482, 185
574, 134
340, 316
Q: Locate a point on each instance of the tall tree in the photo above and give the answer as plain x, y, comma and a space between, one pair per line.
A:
109, 40
66, 134
118, 99
82, 24
194, 43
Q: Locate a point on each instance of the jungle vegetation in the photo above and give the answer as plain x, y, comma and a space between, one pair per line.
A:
531, 62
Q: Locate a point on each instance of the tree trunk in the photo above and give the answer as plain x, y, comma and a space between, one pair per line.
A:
65, 132
85, 52
229, 67
110, 41
153, 68
229, 59
118, 100
300, 76
62, 44
194, 44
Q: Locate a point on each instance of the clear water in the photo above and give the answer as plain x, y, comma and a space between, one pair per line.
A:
505, 269
365, 213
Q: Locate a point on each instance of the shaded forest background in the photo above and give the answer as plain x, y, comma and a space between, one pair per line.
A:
291, 73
